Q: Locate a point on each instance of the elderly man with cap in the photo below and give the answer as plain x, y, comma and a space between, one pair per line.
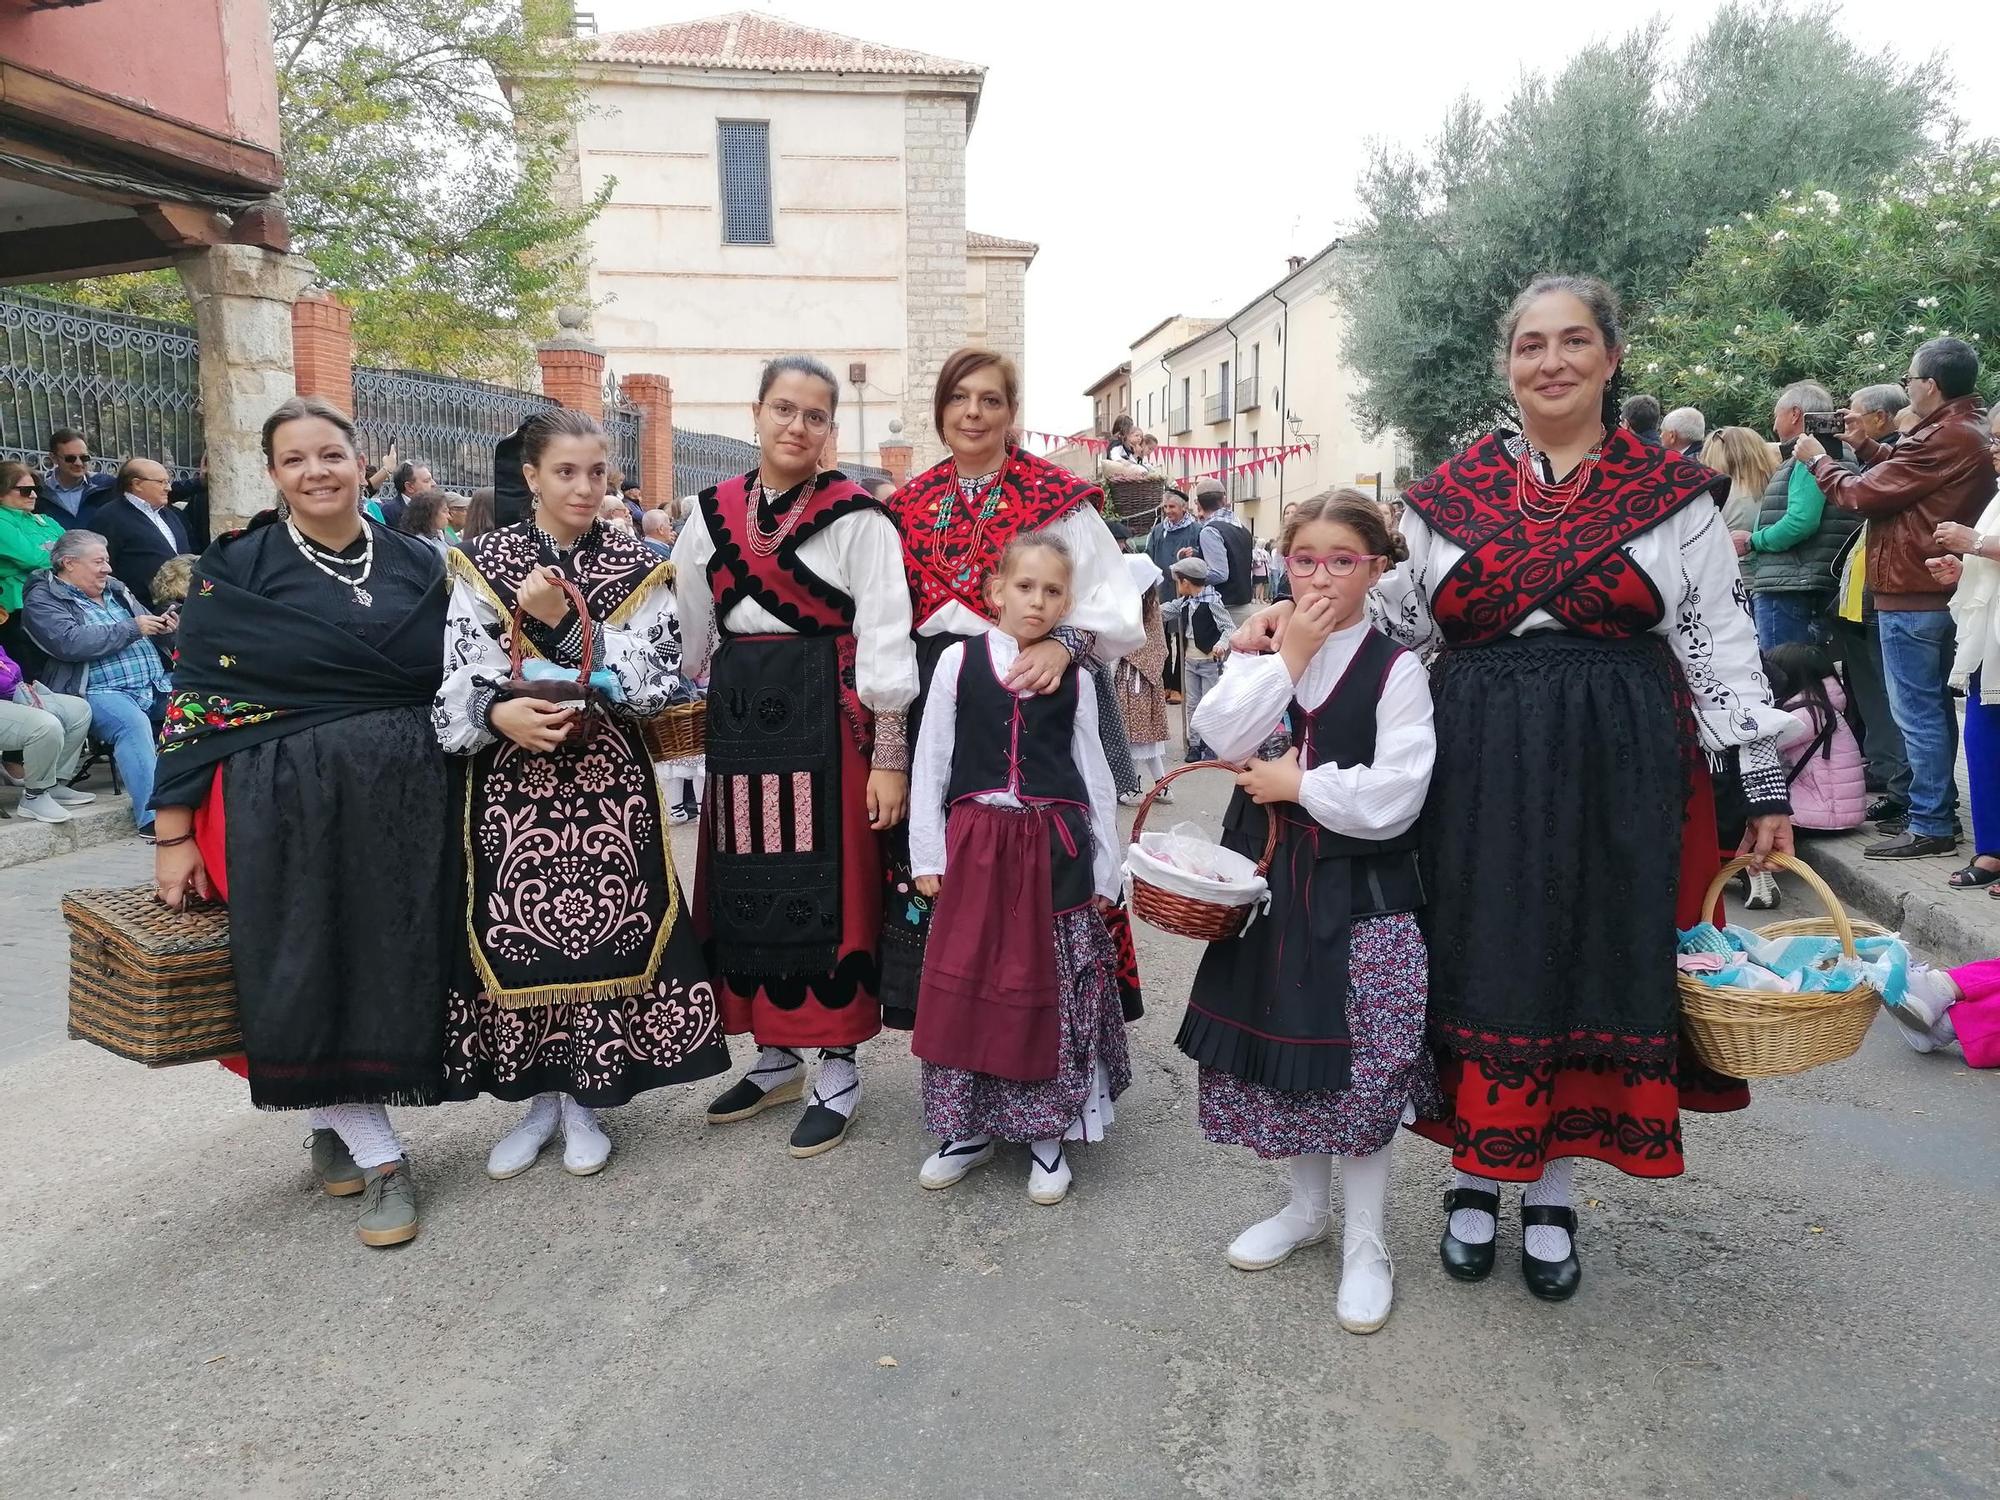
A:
1202, 621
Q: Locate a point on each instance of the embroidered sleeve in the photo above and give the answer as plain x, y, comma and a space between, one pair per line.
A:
1714, 640
1760, 769
1400, 605
1078, 643
892, 744
475, 667
644, 652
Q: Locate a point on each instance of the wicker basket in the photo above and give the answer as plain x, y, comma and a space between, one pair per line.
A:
1207, 921
149, 983
1137, 499
679, 732
1757, 1034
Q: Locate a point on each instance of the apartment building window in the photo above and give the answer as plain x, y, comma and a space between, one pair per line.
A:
743, 148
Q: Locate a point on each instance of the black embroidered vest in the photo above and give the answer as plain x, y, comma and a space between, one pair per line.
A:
1007, 743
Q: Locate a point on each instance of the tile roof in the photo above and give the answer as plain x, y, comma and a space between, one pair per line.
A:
747, 39
974, 240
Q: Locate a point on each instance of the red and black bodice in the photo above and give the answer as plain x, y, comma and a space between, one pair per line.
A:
1578, 568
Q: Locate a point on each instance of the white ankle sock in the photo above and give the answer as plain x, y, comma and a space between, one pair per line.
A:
1473, 1225
1549, 1241
1364, 1190
366, 1131
1154, 765
1048, 1154
837, 1081
775, 1066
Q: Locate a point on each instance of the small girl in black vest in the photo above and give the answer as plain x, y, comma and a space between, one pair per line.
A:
1013, 833
1309, 1028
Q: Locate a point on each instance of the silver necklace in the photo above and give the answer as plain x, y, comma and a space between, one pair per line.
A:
320, 559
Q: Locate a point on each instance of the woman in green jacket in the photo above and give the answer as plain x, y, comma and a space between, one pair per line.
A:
25, 539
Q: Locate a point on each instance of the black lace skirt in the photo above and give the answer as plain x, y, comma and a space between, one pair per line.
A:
1551, 848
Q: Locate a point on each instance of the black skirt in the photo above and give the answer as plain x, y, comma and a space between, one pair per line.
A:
1551, 847
345, 902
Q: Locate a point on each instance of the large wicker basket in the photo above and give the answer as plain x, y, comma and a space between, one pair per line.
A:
1756, 1034
1208, 921
149, 983
1137, 499
679, 732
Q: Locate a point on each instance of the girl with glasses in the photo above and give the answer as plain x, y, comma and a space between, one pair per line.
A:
1309, 1027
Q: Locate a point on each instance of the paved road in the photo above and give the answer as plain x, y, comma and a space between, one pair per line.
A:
1814, 1311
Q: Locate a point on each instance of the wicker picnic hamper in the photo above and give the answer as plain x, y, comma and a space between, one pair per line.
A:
1208, 921
147, 982
1137, 499
1757, 1034
677, 732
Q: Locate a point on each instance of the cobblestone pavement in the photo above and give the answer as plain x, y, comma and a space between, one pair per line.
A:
1812, 1311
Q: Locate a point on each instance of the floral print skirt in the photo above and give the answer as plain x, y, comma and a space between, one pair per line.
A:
1093, 1065
1392, 1070
601, 1052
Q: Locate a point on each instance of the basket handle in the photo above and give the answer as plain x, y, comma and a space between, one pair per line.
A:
516, 640
1834, 910
1146, 806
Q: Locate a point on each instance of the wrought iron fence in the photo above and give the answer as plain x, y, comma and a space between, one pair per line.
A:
449, 424
130, 385
705, 458
622, 424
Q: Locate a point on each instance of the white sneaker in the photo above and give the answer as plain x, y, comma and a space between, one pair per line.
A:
43, 808
1269, 1241
586, 1148
1367, 1282
1048, 1183
1921, 1016
69, 796
1764, 895
519, 1148
951, 1161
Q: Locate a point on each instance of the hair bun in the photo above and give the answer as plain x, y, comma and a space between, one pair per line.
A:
1399, 549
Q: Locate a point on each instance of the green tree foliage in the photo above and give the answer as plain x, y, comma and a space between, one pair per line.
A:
1830, 289
1617, 167
423, 144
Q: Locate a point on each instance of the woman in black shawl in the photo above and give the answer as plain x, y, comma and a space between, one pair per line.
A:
299, 780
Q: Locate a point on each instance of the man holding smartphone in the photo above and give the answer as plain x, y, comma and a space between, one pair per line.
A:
1798, 537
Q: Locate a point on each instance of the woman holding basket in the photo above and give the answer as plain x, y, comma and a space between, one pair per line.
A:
581, 983
1583, 599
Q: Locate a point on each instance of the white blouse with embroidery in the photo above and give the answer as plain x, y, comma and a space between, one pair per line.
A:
1690, 561
1379, 800
930, 768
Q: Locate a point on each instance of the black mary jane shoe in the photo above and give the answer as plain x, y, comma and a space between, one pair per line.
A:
1463, 1261
1551, 1280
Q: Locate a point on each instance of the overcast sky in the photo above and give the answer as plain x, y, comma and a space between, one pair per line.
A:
1168, 157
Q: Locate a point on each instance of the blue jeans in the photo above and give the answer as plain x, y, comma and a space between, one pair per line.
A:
120, 718
1785, 619
1917, 647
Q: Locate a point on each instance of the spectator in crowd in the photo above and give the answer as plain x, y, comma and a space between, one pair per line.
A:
141, 528
171, 584
1147, 445
611, 512
454, 517
1225, 546
478, 515
1683, 430
1120, 449
1641, 414
423, 518
1942, 472
1198, 616
98, 642
190, 498
410, 479
658, 532
1260, 569
45, 732
635, 501
69, 490
1871, 417
25, 538
1175, 535
1742, 457
1797, 539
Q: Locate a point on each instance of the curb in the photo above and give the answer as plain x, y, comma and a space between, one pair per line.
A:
1948, 927
106, 821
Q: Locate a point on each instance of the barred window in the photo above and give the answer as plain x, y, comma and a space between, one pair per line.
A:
744, 151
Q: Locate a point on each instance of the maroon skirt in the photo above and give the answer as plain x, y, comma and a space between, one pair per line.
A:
988, 999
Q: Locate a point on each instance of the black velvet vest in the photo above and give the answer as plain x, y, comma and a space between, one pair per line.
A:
1013, 744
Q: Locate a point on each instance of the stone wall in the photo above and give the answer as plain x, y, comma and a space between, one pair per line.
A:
1007, 307
934, 287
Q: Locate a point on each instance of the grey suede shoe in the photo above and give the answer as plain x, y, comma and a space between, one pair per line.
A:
335, 1169
388, 1206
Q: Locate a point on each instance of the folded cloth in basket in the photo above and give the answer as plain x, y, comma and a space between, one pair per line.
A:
1184, 863
1794, 965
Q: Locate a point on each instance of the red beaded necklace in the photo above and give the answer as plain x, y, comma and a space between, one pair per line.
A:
763, 544
1543, 503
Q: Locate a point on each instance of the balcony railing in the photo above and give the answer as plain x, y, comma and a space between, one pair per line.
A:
1246, 394
1216, 408
1177, 422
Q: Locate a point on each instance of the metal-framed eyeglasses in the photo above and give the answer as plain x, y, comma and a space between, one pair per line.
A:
788, 412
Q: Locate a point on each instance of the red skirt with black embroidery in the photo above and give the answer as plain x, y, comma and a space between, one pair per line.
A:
1506, 1119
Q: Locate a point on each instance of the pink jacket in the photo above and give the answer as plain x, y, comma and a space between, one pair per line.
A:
1830, 792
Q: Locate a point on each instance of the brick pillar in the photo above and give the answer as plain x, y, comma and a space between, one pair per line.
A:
572, 366
652, 396
323, 348
895, 455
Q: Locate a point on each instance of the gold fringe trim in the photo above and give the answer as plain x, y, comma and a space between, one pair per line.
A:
599, 989
462, 567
